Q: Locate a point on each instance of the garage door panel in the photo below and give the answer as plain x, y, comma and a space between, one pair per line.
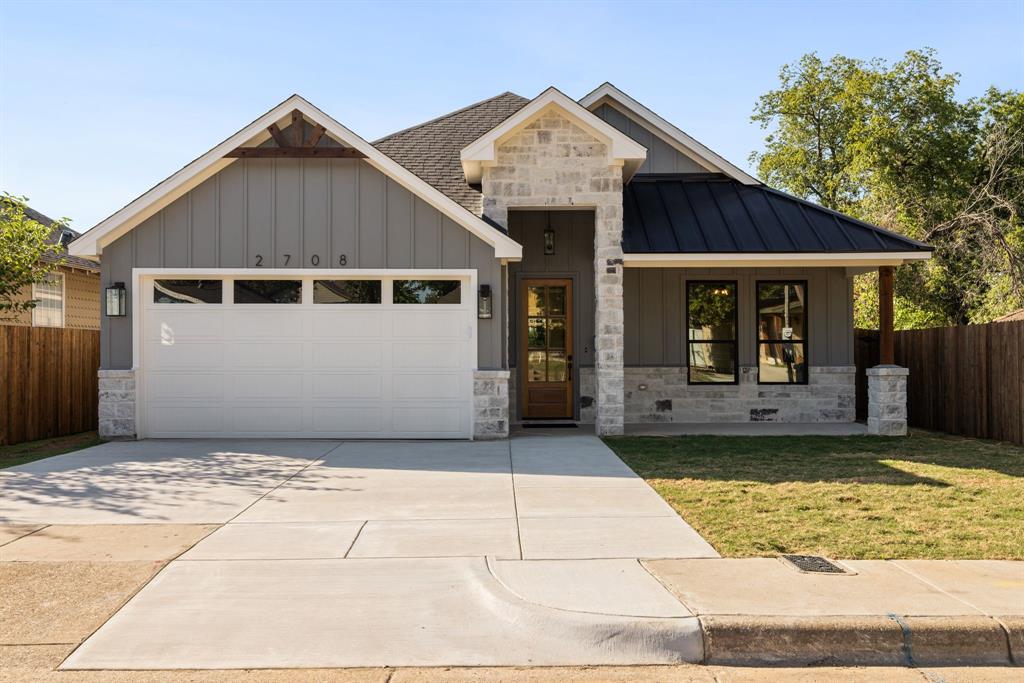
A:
259, 419
347, 386
271, 355
183, 325
348, 324
351, 419
347, 355
427, 386
436, 324
187, 355
428, 355
266, 386
181, 385
302, 370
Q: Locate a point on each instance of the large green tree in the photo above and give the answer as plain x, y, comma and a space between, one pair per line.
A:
24, 243
893, 145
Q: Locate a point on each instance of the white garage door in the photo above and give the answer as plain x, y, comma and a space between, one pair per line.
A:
355, 356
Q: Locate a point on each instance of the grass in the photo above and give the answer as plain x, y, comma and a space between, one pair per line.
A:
923, 496
21, 453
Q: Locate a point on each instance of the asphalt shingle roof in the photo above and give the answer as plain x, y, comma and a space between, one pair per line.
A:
431, 149
683, 213
55, 235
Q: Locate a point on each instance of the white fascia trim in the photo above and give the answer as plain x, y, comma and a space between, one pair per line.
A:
608, 92
799, 260
91, 243
622, 149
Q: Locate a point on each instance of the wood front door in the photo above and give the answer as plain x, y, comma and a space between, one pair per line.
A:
545, 342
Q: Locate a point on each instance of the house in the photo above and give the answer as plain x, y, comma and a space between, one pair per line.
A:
1011, 316
516, 260
70, 297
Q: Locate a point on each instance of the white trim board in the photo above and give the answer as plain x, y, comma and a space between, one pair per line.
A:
622, 150
608, 93
91, 243
760, 260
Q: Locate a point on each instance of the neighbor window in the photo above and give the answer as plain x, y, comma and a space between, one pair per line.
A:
427, 292
782, 332
346, 291
49, 298
711, 333
188, 291
268, 291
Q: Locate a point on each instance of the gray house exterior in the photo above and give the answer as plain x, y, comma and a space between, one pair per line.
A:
514, 261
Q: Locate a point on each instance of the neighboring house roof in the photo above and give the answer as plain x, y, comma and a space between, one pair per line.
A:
714, 214
63, 236
606, 93
431, 149
620, 149
215, 160
1010, 317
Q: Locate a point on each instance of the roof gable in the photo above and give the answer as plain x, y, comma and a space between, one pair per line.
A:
622, 150
92, 242
607, 93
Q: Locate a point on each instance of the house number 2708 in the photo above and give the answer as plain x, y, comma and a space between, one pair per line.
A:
313, 260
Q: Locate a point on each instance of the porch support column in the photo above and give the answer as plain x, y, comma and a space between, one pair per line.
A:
609, 322
887, 382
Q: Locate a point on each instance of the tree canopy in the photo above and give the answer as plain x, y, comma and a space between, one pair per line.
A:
892, 144
24, 242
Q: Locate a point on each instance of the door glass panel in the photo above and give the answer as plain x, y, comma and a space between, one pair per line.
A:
537, 338
427, 292
556, 333
187, 291
535, 301
536, 366
556, 366
556, 301
268, 291
346, 291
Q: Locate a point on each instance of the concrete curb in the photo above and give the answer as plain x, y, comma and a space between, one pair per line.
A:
858, 641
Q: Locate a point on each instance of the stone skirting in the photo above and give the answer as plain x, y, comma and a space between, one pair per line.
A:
117, 404
666, 397
553, 162
490, 404
887, 400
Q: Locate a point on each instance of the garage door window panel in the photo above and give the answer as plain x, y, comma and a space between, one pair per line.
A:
427, 292
188, 291
268, 291
346, 291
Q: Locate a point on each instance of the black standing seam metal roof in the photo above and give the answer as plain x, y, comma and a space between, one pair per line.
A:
690, 213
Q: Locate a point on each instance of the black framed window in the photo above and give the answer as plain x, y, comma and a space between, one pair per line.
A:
782, 332
346, 291
188, 291
268, 291
711, 332
427, 292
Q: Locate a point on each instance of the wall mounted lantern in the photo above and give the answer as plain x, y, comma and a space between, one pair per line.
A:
117, 299
549, 239
484, 304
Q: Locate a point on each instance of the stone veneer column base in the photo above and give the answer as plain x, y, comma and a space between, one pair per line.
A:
887, 400
490, 404
117, 404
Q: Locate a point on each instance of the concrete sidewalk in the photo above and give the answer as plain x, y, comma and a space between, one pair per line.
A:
903, 612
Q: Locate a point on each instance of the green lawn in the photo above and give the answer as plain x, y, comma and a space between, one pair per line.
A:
923, 496
21, 453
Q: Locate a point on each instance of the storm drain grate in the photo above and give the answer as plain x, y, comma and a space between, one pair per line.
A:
814, 563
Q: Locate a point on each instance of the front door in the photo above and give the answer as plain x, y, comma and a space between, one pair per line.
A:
546, 348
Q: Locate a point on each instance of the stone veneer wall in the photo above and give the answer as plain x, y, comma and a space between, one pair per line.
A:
117, 404
490, 404
552, 162
887, 400
828, 397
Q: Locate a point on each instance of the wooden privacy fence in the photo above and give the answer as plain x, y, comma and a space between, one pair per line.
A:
48, 384
966, 380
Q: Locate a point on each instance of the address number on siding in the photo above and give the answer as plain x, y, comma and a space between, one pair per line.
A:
314, 259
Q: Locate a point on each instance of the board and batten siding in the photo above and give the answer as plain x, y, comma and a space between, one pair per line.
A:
655, 316
299, 213
661, 156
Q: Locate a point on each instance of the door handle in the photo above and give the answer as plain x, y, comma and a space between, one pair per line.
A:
569, 359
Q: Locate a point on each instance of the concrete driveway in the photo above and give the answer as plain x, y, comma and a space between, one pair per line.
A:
378, 553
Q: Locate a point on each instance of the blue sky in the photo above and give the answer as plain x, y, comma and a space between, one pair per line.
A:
100, 101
